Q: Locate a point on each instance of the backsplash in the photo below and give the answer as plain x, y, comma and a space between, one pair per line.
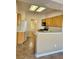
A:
54, 29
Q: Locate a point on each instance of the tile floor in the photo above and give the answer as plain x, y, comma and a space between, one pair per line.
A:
24, 52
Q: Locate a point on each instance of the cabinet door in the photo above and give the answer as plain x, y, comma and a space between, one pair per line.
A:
49, 22
57, 21
18, 18
44, 20
20, 37
18, 22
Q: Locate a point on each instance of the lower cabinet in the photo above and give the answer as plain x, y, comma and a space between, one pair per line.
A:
20, 37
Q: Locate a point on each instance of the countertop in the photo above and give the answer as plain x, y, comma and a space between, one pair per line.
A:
47, 32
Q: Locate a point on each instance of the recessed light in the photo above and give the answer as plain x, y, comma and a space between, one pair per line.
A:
40, 9
33, 7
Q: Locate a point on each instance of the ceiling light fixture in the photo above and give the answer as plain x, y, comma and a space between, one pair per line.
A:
40, 9
33, 7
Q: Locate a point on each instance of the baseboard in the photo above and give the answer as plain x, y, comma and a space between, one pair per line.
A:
49, 53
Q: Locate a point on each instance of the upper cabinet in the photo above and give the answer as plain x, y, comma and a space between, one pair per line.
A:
49, 22
54, 21
18, 18
58, 21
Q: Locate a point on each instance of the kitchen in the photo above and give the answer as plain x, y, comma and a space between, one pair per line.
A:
43, 28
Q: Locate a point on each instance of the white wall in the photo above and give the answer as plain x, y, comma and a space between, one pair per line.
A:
53, 14
58, 1
26, 15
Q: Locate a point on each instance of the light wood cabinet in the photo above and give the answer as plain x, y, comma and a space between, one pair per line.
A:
49, 22
20, 37
18, 18
44, 20
56, 21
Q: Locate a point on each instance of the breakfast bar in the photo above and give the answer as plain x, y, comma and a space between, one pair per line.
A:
48, 43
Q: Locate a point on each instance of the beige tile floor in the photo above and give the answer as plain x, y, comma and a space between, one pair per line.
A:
24, 52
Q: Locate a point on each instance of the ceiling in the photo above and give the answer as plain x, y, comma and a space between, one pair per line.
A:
50, 5
58, 1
